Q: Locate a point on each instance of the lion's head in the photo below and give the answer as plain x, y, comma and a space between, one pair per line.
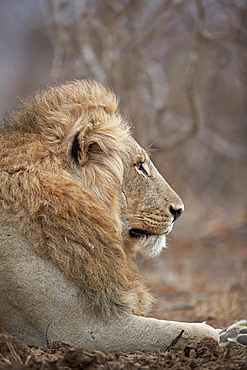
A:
149, 206
81, 186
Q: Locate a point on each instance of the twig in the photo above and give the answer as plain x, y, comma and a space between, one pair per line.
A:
13, 352
5, 359
174, 341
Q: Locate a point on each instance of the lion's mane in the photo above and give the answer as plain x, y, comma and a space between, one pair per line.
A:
65, 196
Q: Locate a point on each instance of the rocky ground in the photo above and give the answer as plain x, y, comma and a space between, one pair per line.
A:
200, 281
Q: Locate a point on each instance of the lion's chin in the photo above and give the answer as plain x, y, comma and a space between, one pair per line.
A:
152, 245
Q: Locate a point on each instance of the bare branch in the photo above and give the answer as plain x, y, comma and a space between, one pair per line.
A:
221, 145
56, 11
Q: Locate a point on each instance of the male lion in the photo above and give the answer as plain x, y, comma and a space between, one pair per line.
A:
79, 198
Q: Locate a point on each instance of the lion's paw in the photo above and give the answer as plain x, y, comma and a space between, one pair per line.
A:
235, 335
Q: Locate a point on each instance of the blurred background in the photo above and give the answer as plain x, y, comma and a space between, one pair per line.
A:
179, 68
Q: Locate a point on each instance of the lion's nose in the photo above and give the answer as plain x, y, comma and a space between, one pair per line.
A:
175, 212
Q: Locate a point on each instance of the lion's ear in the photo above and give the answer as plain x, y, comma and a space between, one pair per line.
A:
79, 150
76, 149
81, 144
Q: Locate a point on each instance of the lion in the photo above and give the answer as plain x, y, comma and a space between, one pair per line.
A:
79, 200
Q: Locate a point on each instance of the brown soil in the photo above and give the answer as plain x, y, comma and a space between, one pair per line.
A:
207, 354
200, 281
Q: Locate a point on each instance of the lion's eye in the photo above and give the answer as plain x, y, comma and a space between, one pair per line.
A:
140, 168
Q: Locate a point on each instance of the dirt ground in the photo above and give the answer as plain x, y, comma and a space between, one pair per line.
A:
201, 281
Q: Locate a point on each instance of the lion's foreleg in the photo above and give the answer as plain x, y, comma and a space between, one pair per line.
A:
128, 333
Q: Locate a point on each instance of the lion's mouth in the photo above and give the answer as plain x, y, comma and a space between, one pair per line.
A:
138, 233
